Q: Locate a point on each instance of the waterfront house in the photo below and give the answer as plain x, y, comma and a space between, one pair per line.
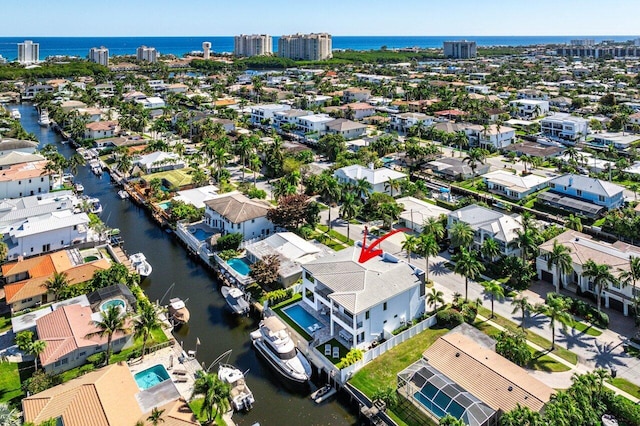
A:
100, 129
583, 248
357, 110
526, 108
234, 212
65, 331
355, 94
564, 127
363, 302
455, 169
584, 195
512, 185
23, 179
151, 102
416, 212
292, 251
347, 128
159, 161
11, 145
401, 123
441, 382
109, 397
264, 114
378, 178
313, 123
288, 117
487, 223
493, 136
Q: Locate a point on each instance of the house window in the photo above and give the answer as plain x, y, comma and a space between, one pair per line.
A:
19, 182
601, 198
29, 180
309, 277
384, 306
579, 192
366, 315
41, 179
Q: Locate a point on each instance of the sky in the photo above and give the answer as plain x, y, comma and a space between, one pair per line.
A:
339, 17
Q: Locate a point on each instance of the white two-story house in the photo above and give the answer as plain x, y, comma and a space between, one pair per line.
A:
401, 123
378, 178
564, 127
365, 302
527, 108
236, 213
263, 114
513, 185
24, 179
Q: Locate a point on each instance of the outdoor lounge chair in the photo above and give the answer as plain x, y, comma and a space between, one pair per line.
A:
336, 352
327, 349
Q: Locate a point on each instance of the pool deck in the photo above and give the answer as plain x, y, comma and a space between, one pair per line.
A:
322, 335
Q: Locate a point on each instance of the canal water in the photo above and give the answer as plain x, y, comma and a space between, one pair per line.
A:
217, 330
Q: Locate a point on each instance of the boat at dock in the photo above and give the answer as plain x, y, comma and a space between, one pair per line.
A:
322, 394
236, 300
273, 342
240, 394
123, 194
79, 187
44, 120
178, 311
15, 114
141, 264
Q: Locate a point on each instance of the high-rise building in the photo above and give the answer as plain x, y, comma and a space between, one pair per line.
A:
206, 49
28, 52
308, 47
99, 55
462, 49
252, 45
148, 54
583, 42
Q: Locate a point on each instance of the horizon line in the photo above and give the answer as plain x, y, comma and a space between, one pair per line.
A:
333, 35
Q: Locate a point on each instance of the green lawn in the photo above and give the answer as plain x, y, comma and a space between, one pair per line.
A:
333, 342
583, 328
625, 385
5, 322
178, 177
532, 337
196, 405
10, 390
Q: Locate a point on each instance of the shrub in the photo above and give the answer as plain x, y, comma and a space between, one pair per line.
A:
40, 381
582, 309
97, 359
256, 193
449, 318
276, 296
469, 313
353, 356
513, 346
228, 254
87, 368
229, 242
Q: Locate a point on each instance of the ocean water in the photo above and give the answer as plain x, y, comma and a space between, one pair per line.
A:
79, 46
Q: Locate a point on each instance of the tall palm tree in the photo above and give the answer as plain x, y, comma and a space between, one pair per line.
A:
433, 226
330, 192
243, 149
474, 157
560, 257
601, 277
220, 158
57, 283
216, 394
111, 321
521, 303
362, 188
435, 297
427, 247
527, 241
124, 164
494, 290
490, 248
556, 310
631, 277
461, 234
392, 185
409, 245
468, 266
574, 222
255, 165
156, 416
35, 349
349, 209
145, 323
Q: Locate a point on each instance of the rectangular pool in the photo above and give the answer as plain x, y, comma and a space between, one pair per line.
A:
239, 265
304, 319
151, 376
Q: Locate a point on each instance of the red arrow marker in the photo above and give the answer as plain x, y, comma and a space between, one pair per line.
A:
368, 253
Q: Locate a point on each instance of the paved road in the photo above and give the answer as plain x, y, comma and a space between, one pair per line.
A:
605, 351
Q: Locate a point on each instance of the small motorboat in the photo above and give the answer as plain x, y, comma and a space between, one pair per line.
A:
123, 194
15, 114
323, 394
178, 311
140, 264
236, 300
44, 120
79, 187
240, 394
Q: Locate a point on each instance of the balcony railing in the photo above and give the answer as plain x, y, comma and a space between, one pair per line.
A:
344, 318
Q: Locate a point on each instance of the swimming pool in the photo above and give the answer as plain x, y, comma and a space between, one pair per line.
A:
200, 234
164, 205
151, 376
239, 265
113, 302
303, 318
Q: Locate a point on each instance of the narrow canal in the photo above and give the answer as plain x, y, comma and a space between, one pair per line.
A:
217, 330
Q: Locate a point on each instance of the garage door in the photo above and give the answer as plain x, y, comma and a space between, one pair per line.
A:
547, 277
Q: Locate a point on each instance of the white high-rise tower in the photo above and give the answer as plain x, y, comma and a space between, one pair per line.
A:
206, 49
28, 52
99, 55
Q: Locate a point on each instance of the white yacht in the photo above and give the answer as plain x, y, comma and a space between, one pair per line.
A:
15, 114
123, 194
273, 342
140, 264
236, 300
44, 118
240, 395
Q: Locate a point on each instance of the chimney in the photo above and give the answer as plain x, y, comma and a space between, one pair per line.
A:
570, 181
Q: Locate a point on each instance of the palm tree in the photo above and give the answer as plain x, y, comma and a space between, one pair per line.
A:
362, 188
330, 192
490, 248
474, 157
435, 297
220, 158
145, 323
527, 241
4, 251
255, 165
9, 416
560, 257
461, 234
349, 209
156, 416
392, 185
112, 321
600, 275
521, 304
409, 245
574, 222
35, 349
124, 164
216, 394
467, 266
433, 226
243, 149
427, 247
494, 290
631, 277
57, 283
556, 310
461, 139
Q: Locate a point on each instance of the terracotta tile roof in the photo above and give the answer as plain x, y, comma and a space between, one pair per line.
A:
23, 171
105, 396
493, 379
35, 286
102, 125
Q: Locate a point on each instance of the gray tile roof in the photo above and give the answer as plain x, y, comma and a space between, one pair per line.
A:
588, 184
238, 208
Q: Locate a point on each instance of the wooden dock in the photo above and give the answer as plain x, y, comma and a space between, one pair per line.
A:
122, 258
